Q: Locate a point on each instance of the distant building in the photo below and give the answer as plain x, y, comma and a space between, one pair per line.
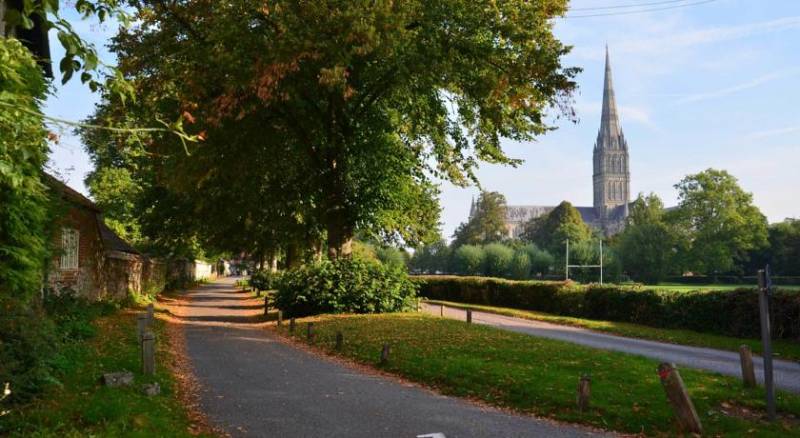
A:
611, 176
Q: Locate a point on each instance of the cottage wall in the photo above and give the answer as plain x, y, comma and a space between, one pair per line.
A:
86, 279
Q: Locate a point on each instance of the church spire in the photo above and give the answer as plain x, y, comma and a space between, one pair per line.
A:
609, 122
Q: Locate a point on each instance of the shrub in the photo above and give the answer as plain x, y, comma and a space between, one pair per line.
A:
344, 286
520, 266
541, 260
729, 313
468, 260
497, 259
391, 256
264, 280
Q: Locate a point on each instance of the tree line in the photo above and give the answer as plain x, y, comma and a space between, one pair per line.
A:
714, 230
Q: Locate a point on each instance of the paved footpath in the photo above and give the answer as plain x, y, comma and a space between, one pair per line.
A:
787, 373
254, 384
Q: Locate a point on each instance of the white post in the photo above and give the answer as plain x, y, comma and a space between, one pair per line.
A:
601, 261
566, 263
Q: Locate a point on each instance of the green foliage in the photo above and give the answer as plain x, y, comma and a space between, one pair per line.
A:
469, 260
487, 222
520, 266
392, 96
720, 219
392, 257
24, 214
264, 280
497, 259
648, 247
729, 313
561, 224
344, 286
541, 261
431, 259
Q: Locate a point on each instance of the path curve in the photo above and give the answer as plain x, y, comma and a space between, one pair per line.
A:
787, 374
253, 383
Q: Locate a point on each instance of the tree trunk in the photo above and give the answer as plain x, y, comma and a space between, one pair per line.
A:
340, 238
292, 256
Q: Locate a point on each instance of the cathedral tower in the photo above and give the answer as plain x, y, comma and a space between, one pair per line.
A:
612, 179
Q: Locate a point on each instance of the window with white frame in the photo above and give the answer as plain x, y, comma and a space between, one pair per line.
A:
70, 245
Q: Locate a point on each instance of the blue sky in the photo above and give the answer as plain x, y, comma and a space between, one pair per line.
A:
709, 85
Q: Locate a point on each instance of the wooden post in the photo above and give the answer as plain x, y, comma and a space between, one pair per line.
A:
682, 405
150, 314
469, 316
748, 372
339, 340
280, 318
266, 305
419, 304
764, 285
385, 354
141, 326
310, 331
584, 392
148, 353
291, 325
441, 309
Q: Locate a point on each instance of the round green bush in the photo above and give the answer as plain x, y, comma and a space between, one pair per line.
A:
468, 259
498, 259
344, 286
263, 280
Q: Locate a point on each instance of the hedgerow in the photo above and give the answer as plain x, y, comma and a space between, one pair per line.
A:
730, 313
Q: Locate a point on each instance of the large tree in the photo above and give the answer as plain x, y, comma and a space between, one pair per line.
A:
487, 222
366, 101
720, 219
648, 247
552, 230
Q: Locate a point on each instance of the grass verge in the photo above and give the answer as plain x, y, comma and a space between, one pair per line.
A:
782, 348
80, 406
540, 376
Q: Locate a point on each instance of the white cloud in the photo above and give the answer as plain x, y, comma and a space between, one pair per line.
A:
739, 87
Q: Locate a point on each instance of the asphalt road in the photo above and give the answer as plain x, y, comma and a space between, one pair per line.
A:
787, 374
254, 384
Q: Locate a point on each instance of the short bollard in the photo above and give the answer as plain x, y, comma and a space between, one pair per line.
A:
141, 326
310, 331
748, 372
291, 325
441, 309
469, 316
266, 305
280, 318
148, 353
419, 305
682, 405
584, 392
385, 354
150, 314
339, 340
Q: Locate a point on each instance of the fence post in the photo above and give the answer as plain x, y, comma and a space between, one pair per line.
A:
469, 316
280, 318
748, 372
141, 326
584, 392
310, 331
385, 354
682, 405
291, 325
764, 286
339, 340
441, 309
148, 353
150, 314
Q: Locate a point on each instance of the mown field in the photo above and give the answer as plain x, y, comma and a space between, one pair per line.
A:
539, 376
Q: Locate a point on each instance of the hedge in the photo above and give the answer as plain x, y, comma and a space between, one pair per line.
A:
778, 280
729, 313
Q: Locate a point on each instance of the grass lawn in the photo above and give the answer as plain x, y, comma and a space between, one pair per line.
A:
81, 406
540, 376
783, 349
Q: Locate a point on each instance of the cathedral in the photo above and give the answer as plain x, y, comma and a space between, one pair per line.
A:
611, 176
